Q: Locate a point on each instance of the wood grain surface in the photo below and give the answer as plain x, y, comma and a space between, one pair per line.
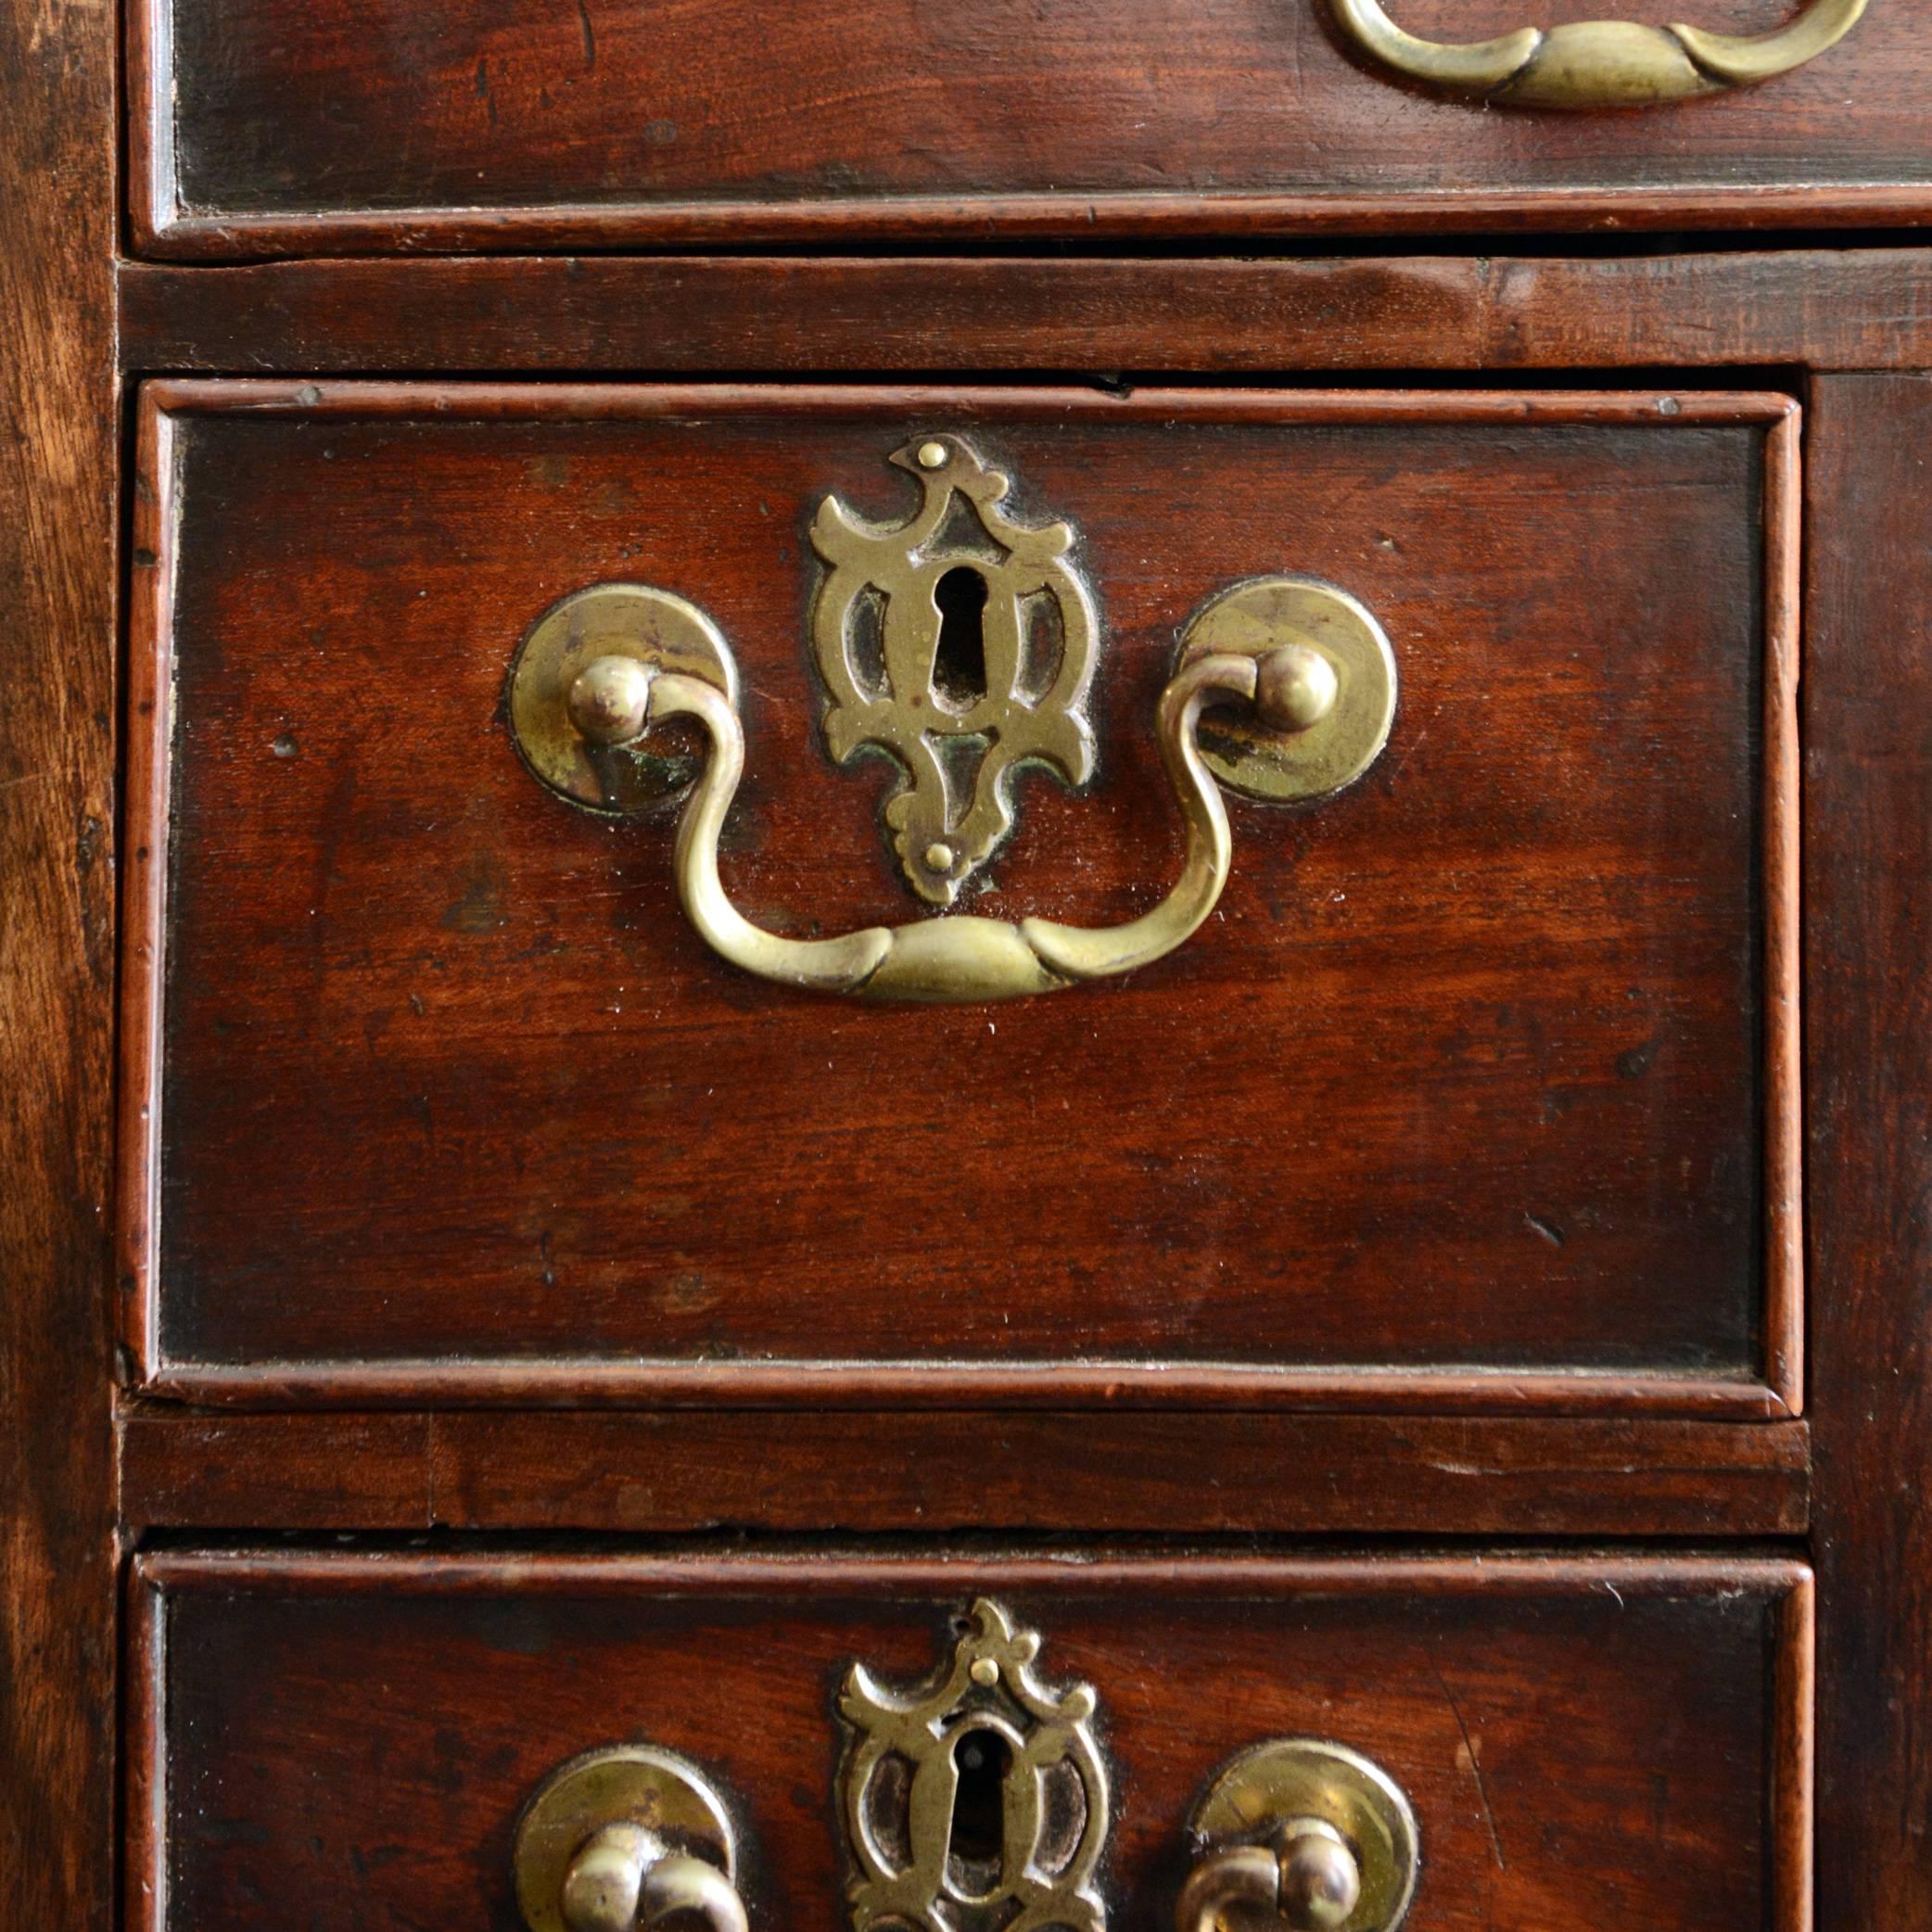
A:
446, 1078
1590, 1745
403, 1136
57, 646
1098, 1473
1820, 308
1868, 780
323, 127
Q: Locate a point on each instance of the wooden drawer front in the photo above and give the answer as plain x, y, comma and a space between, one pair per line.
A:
1616, 1745
314, 126
1477, 1087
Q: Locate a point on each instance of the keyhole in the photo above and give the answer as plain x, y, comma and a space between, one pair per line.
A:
959, 662
982, 1760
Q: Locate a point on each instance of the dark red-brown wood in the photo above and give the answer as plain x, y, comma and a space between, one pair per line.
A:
57, 531
1856, 309
1102, 1473
1746, 317
1590, 1745
322, 127
1482, 1074
1868, 788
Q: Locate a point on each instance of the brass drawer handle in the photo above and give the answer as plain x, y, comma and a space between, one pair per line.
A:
1310, 661
624, 1839
625, 1878
1599, 63
1310, 1834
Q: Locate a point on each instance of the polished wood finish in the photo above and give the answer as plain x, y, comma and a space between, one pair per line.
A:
410, 1054
1606, 310
1868, 779
1592, 1745
1823, 308
679, 1473
57, 540
320, 127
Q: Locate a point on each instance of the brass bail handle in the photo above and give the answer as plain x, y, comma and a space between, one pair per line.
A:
1596, 64
1310, 1879
1303, 1834
625, 1876
1309, 663
624, 1839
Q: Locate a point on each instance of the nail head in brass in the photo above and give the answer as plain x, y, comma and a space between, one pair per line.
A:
568, 693
609, 702
1336, 1832
1326, 688
638, 1784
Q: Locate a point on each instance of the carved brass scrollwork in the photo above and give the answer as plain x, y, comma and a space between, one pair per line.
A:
1308, 670
1592, 64
977, 1802
1020, 702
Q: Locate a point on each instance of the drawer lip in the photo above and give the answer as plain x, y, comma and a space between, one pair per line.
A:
1773, 1392
161, 232
599, 1383
348, 1572
1789, 1779
1664, 405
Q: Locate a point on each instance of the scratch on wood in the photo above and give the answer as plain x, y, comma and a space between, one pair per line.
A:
1469, 1745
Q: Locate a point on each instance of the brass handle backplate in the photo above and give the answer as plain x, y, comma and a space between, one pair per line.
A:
603, 667
1302, 1833
1592, 64
623, 1839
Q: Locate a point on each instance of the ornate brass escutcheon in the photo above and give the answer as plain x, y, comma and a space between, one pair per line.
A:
1304, 1834
977, 1802
958, 721
1301, 674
